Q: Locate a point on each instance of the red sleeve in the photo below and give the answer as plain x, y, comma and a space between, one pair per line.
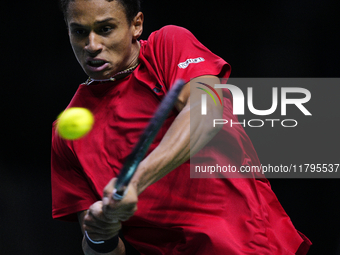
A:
177, 54
71, 193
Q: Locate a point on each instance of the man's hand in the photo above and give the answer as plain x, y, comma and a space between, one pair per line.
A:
119, 210
102, 220
97, 225
99, 228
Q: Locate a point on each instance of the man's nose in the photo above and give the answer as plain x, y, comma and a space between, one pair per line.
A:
93, 44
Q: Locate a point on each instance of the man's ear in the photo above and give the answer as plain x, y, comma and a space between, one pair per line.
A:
137, 24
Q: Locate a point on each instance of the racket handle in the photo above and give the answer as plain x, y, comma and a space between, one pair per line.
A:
119, 194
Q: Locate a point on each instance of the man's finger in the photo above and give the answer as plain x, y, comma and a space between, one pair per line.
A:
107, 195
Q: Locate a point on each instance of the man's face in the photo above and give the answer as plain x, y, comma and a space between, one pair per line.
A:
102, 39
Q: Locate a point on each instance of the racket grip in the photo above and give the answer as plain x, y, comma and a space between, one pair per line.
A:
119, 194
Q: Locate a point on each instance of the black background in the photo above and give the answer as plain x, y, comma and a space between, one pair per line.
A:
258, 38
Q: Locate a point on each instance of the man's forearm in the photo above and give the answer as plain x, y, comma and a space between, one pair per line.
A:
175, 148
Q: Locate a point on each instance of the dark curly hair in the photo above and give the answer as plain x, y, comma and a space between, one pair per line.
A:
132, 7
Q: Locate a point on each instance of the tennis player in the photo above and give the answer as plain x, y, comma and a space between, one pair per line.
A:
175, 215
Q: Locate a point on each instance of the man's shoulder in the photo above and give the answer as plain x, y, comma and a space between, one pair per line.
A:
169, 32
173, 29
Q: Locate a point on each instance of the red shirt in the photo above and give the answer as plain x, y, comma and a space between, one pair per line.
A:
177, 214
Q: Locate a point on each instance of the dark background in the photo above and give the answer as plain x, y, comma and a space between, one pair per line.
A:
292, 38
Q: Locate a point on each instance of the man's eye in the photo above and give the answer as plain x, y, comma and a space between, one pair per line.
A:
106, 29
79, 32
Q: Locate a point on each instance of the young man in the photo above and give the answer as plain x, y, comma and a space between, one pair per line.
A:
176, 214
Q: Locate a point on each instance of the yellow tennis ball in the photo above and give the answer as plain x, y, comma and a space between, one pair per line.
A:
74, 123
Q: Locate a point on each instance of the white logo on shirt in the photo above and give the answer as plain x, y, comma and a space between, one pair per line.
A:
189, 61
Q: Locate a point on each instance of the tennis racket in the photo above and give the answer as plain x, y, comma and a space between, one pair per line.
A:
145, 140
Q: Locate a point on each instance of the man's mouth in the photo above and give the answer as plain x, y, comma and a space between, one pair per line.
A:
96, 63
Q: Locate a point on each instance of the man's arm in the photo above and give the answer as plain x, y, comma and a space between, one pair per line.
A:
175, 148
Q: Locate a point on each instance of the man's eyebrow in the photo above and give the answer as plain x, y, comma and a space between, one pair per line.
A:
105, 20
75, 24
